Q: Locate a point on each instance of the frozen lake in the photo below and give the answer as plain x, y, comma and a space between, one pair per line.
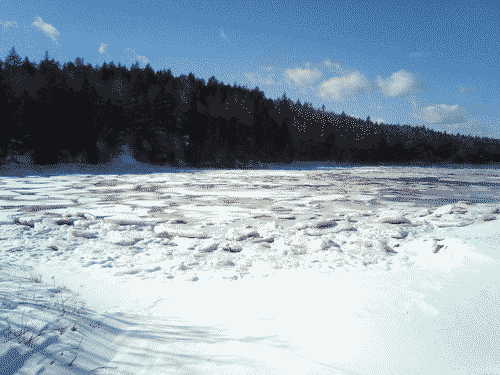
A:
314, 271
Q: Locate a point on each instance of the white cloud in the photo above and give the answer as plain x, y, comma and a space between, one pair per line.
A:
398, 84
106, 56
29, 41
102, 48
50, 31
339, 88
259, 80
301, 76
133, 56
8, 24
337, 68
472, 126
441, 114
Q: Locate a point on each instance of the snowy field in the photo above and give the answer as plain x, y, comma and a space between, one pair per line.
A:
374, 270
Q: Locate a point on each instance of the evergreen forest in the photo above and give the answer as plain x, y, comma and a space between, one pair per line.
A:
85, 114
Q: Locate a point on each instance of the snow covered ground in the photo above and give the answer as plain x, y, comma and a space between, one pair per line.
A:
338, 271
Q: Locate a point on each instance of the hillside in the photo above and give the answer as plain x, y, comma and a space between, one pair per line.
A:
78, 112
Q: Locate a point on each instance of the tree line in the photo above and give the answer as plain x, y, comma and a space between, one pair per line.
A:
78, 112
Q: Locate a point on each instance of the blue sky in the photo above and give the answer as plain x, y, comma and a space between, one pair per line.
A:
408, 62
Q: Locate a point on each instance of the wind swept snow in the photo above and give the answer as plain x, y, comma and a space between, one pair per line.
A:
348, 271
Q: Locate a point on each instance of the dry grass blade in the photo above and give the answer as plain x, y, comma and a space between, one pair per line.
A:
36, 278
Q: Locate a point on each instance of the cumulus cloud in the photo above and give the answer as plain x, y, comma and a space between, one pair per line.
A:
472, 126
257, 80
441, 114
328, 63
302, 77
337, 68
30, 41
102, 48
398, 84
133, 56
50, 31
8, 24
339, 88
105, 55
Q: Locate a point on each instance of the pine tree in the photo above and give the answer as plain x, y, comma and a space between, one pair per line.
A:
13, 59
135, 66
212, 81
79, 62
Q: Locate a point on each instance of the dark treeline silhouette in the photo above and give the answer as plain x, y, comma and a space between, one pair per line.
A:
80, 113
